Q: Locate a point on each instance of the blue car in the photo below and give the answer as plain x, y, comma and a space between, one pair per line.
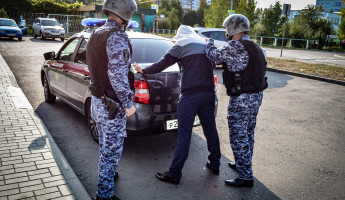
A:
9, 28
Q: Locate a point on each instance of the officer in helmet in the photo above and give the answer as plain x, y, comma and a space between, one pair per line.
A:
109, 57
244, 66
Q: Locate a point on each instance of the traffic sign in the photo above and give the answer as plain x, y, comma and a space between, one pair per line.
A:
231, 12
155, 6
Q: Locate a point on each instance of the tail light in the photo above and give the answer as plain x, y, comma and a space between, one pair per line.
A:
142, 93
215, 82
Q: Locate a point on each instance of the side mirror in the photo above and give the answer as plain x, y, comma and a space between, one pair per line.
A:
49, 55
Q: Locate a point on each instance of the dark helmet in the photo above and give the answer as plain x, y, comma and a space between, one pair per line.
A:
236, 23
122, 8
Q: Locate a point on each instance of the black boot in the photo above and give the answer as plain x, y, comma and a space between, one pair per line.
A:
240, 183
116, 176
232, 165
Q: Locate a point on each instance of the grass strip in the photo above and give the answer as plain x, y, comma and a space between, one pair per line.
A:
321, 70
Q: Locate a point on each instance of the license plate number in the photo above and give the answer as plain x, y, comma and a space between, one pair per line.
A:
172, 124
11, 34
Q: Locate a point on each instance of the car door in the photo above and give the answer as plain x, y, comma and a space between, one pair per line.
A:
78, 77
59, 68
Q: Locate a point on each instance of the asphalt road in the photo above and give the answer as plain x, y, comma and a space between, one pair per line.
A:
298, 154
309, 56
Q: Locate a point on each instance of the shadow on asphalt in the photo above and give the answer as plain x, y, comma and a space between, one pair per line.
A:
142, 158
49, 40
280, 81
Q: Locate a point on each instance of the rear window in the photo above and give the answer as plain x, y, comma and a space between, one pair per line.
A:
216, 35
149, 50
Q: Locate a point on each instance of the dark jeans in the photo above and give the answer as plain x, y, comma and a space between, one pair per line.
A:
202, 104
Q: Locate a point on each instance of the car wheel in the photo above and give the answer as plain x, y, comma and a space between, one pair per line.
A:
20, 38
62, 39
35, 36
42, 36
48, 96
91, 123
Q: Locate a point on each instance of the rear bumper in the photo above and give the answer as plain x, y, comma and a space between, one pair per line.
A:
144, 118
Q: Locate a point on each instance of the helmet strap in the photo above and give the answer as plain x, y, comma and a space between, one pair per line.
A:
228, 37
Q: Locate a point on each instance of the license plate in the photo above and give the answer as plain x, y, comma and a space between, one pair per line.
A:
172, 124
11, 34
55, 33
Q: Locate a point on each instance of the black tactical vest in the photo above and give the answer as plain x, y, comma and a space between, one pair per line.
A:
252, 78
97, 61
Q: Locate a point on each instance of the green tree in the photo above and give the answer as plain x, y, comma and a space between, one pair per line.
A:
3, 13
191, 18
164, 24
172, 11
341, 30
215, 15
272, 20
249, 10
144, 3
201, 12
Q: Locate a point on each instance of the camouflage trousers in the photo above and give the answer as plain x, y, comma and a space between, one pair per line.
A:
111, 138
242, 113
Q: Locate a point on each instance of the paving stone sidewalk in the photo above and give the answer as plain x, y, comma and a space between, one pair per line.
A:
31, 164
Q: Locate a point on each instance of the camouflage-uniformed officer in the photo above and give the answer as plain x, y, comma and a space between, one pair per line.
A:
108, 58
244, 66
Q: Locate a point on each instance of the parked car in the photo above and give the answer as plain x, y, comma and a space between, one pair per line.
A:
9, 28
218, 35
23, 27
66, 75
48, 28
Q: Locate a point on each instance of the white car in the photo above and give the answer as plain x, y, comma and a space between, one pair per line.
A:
48, 28
217, 34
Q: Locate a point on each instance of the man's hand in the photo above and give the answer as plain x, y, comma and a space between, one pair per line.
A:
130, 111
207, 39
138, 68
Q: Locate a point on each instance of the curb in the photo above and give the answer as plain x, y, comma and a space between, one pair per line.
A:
307, 76
65, 168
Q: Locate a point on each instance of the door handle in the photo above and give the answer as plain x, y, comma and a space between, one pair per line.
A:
86, 77
64, 70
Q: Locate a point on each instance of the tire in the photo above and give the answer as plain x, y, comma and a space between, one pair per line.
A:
48, 96
62, 39
91, 123
42, 36
35, 36
20, 38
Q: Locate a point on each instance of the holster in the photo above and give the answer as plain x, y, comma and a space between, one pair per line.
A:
112, 104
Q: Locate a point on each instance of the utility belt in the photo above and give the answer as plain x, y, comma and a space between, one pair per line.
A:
111, 102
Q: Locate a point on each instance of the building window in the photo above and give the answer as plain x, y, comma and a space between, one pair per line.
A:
336, 21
